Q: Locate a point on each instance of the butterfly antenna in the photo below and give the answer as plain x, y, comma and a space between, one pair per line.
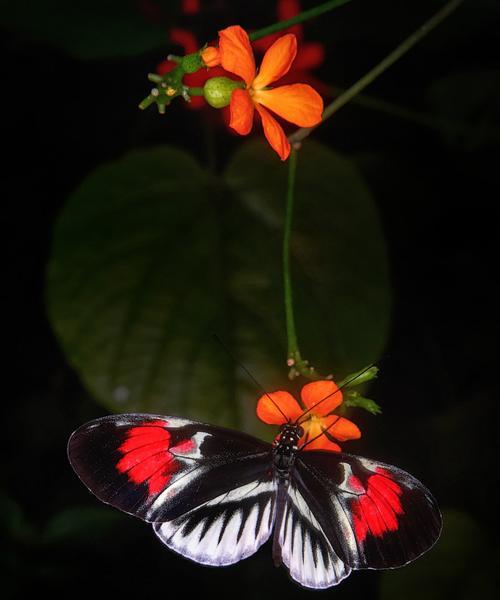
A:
299, 419
242, 366
323, 432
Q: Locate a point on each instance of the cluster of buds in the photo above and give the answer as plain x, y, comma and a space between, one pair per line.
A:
171, 84
216, 91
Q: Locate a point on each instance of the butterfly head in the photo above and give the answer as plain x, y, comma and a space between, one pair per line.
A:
289, 436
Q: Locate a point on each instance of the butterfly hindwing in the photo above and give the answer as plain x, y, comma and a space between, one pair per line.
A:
305, 549
226, 529
375, 516
159, 468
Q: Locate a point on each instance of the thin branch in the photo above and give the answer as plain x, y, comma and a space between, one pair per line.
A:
300, 18
382, 66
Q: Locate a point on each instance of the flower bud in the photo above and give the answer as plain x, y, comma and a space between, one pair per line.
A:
192, 62
210, 56
217, 90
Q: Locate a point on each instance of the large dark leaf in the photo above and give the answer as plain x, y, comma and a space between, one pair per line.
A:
152, 255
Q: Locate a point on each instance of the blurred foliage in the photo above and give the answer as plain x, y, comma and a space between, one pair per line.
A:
86, 29
13, 523
456, 567
82, 525
73, 524
152, 255
470, 98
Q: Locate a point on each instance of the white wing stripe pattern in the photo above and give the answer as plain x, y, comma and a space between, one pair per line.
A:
226, 529
305, 550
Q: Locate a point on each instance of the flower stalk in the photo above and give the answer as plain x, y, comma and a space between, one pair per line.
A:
305, 15
380, 68
298, 366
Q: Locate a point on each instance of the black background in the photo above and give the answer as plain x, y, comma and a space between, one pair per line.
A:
437, 195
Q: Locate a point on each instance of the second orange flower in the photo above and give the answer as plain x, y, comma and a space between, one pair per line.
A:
322, 429
297, 103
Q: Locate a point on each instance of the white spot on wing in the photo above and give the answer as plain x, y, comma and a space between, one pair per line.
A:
175, 422
193, 452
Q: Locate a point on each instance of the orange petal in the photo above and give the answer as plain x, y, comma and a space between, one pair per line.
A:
322, 397
277, 408
322, 443
242, 110
298, 103
274, 133
343, 429
236, 53
277, 61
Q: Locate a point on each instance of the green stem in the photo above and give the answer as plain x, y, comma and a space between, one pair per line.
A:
195, 91
382, 66
293, 350
401, 112
298, 366
300, 18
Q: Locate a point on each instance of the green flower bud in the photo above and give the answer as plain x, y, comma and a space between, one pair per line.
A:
217, 90
192, 62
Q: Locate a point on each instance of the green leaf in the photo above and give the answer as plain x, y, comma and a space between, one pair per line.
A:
449, 570
356, 400
134, 287
152, 255
87, 29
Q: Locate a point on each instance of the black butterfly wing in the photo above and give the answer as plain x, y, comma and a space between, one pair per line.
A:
304, 547
374, 515
160, 468
226, 529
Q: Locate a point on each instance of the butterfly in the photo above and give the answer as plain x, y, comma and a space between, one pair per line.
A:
215, 495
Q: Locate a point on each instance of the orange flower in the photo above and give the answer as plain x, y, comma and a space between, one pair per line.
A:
298, 103
320, 399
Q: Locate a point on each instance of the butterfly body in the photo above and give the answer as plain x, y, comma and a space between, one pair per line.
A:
216, 495
285, 448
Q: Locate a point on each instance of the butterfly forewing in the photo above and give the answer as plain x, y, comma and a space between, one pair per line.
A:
375, 515
159, 468
226, 529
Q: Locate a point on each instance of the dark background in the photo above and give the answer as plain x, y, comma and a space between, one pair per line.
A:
432, 164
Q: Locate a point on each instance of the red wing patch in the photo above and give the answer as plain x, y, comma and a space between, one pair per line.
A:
147, 457
156, 467
377, 508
